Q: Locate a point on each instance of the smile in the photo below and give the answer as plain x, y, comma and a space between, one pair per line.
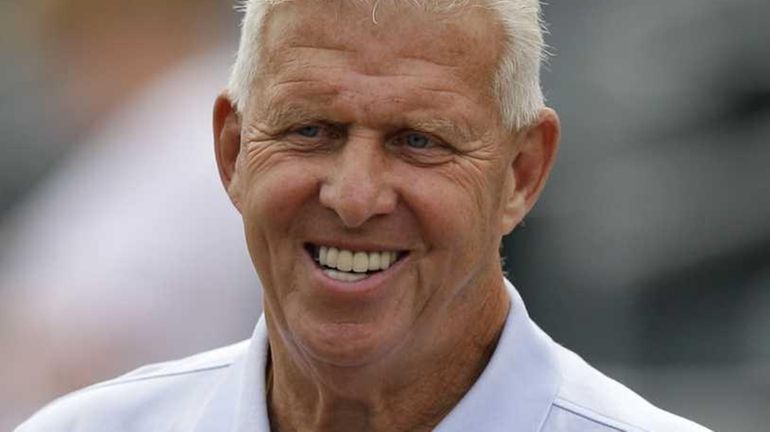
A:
347, 265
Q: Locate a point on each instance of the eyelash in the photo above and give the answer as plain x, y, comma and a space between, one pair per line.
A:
430, 142
323, 129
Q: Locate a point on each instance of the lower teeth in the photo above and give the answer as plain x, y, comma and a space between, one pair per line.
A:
345, 276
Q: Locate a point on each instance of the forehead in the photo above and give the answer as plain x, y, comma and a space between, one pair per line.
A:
457, 49
467, 35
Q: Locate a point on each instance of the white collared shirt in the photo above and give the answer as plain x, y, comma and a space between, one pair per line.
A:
531, 384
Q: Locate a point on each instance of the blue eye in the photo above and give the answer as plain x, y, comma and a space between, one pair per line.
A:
417, 140
309, 131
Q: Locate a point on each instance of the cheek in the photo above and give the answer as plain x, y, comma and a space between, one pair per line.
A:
474, 192
273, 203
452, 206
276, 188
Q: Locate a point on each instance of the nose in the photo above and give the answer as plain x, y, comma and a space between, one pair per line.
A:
357, 188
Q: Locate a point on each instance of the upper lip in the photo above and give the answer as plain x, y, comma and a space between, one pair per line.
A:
357, 245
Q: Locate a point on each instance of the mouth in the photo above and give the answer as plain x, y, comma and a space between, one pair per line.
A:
347, 265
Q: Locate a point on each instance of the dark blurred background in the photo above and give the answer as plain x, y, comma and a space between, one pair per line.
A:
649, 253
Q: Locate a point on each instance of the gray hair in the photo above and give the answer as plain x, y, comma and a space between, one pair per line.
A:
516, 83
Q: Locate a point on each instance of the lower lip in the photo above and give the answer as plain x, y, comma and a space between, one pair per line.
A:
367, 286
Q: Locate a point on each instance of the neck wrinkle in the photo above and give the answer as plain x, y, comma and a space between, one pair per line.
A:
415, 397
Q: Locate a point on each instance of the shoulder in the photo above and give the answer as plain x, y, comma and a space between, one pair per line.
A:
588, 397
143, 399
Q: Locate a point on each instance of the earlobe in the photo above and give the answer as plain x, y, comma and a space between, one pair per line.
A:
530, 167
227, 145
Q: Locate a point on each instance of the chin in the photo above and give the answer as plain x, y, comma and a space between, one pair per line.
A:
349, 344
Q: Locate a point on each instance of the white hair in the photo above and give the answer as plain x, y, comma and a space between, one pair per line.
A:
516, 83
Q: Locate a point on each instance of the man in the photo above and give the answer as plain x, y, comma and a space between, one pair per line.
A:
378, 152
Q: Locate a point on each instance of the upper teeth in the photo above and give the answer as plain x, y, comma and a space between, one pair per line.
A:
359, 262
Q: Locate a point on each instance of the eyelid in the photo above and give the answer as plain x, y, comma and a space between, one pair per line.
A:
432, 138
300, 125
325, 127
437, 153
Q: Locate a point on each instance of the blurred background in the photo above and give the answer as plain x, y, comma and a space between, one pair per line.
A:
118, 246
649, 253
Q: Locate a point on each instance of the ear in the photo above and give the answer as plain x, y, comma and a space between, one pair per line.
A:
227, 145
532, 161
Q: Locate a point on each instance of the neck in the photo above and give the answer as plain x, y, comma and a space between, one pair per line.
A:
405, 394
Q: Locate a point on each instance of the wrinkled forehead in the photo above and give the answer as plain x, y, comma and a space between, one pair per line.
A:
466, 38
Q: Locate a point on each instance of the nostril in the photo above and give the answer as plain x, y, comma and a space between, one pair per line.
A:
356, 204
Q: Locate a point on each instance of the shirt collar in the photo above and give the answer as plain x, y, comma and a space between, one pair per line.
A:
516, 389
239, 403
514, 392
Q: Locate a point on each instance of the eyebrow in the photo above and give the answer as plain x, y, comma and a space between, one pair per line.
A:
284, 115
441, 125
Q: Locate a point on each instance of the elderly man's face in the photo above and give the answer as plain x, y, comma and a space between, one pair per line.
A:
376, 147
